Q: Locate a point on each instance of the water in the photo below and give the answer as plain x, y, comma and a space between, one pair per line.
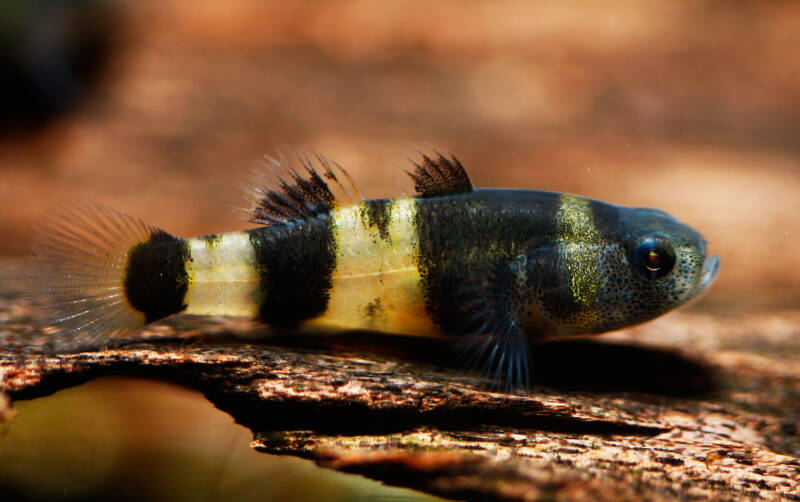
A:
126, 439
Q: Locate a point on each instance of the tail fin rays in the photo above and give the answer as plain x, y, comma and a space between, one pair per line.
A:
80, 263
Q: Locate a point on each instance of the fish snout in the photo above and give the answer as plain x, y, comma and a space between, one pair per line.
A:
709, 272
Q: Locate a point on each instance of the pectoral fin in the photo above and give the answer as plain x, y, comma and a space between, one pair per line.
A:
498, 346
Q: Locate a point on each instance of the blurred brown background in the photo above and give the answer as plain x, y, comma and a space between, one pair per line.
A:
692, 107
160, 107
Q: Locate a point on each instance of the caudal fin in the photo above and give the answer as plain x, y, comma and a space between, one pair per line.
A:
82, 256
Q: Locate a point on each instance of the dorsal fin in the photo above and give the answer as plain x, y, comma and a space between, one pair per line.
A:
298, 185
439, 176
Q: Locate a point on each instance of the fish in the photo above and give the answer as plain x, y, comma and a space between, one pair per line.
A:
496, 269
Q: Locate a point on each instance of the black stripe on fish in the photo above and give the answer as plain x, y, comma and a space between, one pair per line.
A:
212, 240
155, 278
379, 215
462, 237
550, 281
296, 263
606, 220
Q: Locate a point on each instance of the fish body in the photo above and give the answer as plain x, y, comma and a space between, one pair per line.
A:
496, 266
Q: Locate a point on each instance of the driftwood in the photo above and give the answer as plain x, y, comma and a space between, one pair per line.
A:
695, 405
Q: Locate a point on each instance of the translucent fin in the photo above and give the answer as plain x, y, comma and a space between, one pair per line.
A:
79, 272
497, 347
299, 184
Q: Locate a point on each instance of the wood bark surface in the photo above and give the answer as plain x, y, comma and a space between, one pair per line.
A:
696, 405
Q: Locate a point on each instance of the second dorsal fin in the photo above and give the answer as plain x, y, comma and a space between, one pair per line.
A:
438, 175
298, 185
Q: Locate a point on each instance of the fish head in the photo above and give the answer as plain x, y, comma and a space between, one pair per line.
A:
610, 267
651, 264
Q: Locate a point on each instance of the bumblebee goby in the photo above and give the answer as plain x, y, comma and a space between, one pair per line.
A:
498, 268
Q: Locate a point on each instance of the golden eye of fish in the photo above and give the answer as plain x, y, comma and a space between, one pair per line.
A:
654, 258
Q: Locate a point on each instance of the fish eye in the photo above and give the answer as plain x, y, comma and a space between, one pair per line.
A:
654, 257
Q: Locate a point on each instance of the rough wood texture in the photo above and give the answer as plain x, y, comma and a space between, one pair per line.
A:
695, 405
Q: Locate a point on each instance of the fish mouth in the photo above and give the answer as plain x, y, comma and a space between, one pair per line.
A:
709, 272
